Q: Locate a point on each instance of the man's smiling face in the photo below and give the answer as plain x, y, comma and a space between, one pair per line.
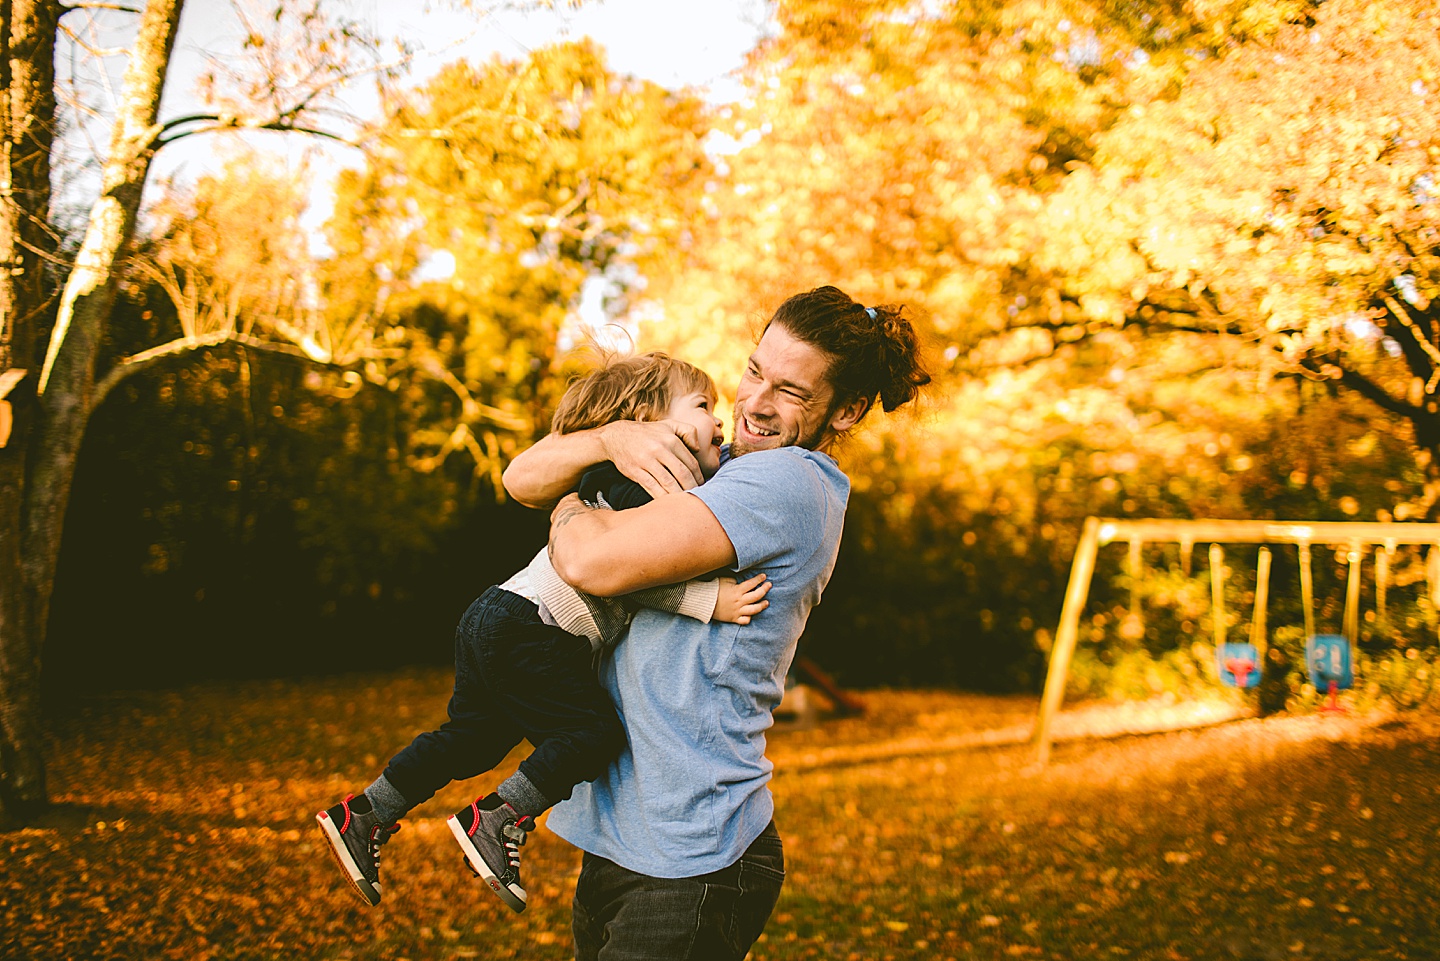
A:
784, 398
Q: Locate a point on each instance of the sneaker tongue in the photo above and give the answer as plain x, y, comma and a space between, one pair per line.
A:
491, 801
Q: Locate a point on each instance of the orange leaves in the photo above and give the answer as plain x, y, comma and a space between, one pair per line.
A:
1201, 844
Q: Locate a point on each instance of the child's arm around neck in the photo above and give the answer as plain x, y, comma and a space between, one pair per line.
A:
654, 455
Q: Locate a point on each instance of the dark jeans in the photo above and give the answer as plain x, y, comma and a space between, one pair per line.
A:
623, 916
516, 678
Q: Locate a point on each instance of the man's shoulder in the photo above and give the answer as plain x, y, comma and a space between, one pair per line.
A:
783, 481
783, 460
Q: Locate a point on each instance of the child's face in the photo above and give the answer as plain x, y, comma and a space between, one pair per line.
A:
698, 410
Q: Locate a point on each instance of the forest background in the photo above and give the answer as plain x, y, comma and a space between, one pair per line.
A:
1173, 259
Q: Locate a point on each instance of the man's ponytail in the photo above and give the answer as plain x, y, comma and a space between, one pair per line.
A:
875, 352
903, 371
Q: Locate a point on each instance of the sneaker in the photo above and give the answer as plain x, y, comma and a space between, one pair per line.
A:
490, 833
355, 836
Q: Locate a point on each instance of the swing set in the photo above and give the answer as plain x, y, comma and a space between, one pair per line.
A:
1329, 657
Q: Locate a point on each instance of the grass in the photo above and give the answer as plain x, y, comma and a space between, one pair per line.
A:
919, 831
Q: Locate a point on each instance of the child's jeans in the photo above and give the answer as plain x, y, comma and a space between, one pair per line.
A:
516, 678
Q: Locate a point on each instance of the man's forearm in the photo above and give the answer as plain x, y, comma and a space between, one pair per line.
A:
547, 471
573, 524
608, 553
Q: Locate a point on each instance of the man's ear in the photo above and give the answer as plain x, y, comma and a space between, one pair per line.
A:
848, 414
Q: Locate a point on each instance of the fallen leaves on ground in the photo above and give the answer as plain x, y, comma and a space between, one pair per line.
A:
921, 830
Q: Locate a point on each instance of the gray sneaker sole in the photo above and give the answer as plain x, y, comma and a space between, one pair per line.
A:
512, 894
367, 892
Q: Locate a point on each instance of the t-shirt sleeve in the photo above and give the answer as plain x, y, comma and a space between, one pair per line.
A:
772, 505
603, 484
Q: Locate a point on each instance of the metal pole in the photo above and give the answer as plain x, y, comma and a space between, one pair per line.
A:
1307, 590
1352, 595
1262, 597
1217, 593
1066, 634
1382, 577
1135, 578
1432, 575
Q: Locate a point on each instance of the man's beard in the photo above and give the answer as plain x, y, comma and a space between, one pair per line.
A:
810, 441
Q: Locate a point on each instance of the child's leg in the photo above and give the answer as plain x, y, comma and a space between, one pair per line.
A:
557, 702
540, 678
478, 734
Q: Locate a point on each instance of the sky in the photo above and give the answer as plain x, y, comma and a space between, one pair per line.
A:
695, 43
677, 43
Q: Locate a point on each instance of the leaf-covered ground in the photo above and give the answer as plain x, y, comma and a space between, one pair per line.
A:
920, 830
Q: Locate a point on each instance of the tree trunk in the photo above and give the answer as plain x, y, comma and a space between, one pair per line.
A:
27, 120
65, 392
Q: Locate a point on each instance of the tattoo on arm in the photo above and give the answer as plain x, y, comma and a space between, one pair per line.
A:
559, 520
566, 516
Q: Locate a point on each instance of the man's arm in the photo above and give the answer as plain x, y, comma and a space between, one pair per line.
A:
658, 456
608, 553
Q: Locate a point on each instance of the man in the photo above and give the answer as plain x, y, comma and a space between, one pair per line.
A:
682, 858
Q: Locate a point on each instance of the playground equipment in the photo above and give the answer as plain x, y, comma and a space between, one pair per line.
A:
806, 673
1328, 656
1237, 663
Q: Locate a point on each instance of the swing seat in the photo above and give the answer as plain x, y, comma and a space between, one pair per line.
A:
1238, 664
1328, 658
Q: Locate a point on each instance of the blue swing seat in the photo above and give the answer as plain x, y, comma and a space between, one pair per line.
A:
1231, 662
1328, 658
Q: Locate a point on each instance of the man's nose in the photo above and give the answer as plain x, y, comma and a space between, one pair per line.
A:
762, 400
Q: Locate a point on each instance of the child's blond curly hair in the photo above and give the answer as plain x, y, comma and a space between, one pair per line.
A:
640, 387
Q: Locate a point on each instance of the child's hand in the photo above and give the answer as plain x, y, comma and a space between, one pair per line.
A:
737, 603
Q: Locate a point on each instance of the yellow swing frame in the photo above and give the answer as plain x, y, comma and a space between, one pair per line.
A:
1353, 535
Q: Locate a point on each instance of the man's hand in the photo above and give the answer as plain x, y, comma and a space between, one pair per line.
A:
658, 455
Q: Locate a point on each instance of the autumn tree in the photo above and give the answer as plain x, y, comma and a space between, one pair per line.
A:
56, 300
924, 154
1286, 198
496, 200
243, 496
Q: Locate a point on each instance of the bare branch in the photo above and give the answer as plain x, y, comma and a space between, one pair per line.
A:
217, 122
92, 50
1366, 388
1408, 340
39, 308
146, 358
45, 254
72, 7
1425, 344
471, 409
1167, 319
452, 131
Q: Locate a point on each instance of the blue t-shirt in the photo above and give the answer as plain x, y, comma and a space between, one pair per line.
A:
688, 795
